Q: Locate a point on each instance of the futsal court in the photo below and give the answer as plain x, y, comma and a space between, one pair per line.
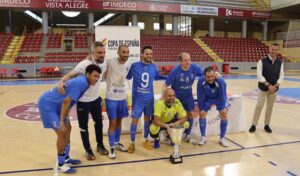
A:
27, 149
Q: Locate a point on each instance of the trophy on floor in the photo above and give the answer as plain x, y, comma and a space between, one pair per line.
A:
176, 136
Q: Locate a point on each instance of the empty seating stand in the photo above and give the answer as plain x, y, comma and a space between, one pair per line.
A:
168, 48
63, 57
237, 49
54, 40
80, 40
5, 40
32, 43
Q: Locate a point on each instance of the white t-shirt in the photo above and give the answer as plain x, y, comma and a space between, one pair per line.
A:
116, 78
94, 91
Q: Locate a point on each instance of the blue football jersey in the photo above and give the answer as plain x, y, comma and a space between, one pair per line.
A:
74, 88
211, 92
143, 77
182, 81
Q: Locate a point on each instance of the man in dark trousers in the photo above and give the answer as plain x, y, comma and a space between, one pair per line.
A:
90, 102
270, 76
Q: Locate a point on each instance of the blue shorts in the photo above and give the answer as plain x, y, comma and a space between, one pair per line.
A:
209, 103
187, 102
50, 115
139, 107
116, 109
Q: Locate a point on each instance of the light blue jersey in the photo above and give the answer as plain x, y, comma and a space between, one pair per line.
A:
143, 77
50, 102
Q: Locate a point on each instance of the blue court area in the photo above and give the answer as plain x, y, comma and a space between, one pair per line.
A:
289, 92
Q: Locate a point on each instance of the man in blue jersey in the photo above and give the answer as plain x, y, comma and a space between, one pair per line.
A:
144, 73
181, 79
212, 91
55, 107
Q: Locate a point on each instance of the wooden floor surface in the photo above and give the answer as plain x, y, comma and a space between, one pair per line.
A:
29, 150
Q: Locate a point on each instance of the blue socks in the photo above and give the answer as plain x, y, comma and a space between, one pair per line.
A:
191, 121
118, 135
202, 122
223, 127
61, 158
111, 138
133, 128
146, 129
67, 149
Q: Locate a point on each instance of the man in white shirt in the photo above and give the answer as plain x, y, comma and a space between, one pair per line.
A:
90, 102
116, 71
270, 76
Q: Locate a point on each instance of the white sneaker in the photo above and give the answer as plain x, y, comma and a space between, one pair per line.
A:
112, 153
202, 141
223, 142
64, 169
121, 147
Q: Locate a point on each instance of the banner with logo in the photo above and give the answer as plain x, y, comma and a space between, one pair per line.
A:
143, 6
53, 4
114, 36
199, 10
226, 12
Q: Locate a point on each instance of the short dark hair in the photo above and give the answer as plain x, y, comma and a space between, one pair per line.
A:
146, 47
275, 44
92, 67
122, 46
208, 69
98, 44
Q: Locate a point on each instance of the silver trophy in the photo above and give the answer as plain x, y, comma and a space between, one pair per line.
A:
176, 136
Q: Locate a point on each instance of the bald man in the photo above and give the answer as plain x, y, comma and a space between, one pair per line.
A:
168, 113
181, 79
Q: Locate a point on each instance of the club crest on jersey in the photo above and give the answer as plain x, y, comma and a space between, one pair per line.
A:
213, 90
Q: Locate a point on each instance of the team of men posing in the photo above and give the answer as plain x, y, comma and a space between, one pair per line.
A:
175, 107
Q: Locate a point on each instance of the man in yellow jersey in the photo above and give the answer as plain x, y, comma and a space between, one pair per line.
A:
168, 113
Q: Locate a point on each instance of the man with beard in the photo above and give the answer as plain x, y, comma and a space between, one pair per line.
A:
90, 102
143, 73
212, 91
116, 70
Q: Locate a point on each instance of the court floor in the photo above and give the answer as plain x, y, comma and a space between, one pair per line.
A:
29, 150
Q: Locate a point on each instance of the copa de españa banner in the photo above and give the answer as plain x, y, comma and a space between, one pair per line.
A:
114, 36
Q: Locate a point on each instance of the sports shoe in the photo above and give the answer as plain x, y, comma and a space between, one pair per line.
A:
89, 155
102, 150
252, 129
121, 147
223, 142
202, 141
72, 161
131, 148
268, 129
188, 139
64, 169
147, 145
156, 143
112, 153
